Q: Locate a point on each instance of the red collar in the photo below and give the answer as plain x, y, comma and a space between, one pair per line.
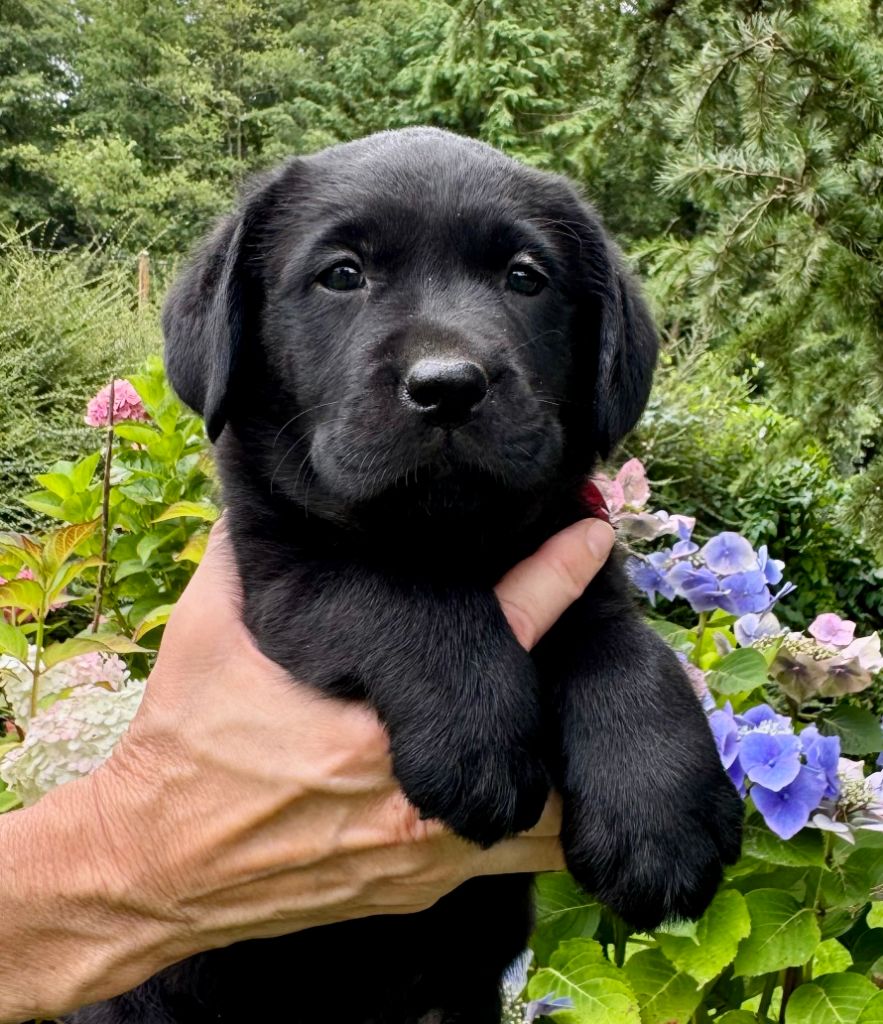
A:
594, 502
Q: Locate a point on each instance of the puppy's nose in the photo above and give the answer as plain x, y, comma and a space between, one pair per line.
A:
446, 390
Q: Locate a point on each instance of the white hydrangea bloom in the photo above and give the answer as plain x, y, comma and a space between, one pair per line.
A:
70, 738
83, 670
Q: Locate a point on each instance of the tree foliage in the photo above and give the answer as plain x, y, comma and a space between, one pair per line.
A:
734, 147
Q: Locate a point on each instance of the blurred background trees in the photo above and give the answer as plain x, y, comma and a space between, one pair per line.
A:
735, 148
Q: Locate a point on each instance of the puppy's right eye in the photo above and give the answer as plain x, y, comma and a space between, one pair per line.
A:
345, 276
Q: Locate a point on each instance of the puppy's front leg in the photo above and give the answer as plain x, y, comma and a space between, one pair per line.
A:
447, 677
650, 816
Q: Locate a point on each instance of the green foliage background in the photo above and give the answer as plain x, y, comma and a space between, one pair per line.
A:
735, 149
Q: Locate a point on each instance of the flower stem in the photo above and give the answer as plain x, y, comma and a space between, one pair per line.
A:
793, 977
769, 987
700, 630
105, 511
38, 657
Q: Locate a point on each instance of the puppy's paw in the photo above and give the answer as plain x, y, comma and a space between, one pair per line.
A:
654, 847
482, 791
482, 783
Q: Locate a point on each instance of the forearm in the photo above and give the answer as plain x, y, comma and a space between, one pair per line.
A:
70, 935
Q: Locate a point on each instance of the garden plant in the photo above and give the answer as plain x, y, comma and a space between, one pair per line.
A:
795, 932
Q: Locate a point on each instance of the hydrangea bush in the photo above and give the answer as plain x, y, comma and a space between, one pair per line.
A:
795, 933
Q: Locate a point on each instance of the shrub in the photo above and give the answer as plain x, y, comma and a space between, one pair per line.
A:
719, 453
67, 320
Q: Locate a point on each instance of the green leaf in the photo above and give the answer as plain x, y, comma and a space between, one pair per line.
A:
9, 801
68, 573
83, 471
139, 433
599, 990
188, 508
859, 731
105, 643
737, 1017
739, 672
128, 567
665, 995
159, 616
873, 1011
875, 915
57, 483
25, 594
806, 849
831, 957
60, 544
678, 637
832, 999
867, 950
149, 542
194, 549
783, 934
44, 502
13, 641
563, 911
850, 884
718, 934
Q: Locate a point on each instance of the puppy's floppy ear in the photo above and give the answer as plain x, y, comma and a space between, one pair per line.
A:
627, 348
213, 307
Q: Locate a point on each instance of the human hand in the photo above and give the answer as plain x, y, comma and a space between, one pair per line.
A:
241, 804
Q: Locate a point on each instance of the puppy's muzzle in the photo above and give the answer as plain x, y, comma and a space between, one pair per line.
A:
445, 392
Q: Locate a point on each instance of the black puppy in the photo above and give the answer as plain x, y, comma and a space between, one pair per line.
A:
410, 351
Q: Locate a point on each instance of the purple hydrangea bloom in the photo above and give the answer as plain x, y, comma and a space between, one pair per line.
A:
763, 713
726, 736
772, 760
823, 754
728, 553
770, 567
549, 1004
699, 586
788, 810
789, 774
649, 578
745, 592
752, 627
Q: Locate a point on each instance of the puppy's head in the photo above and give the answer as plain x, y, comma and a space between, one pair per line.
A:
411, 318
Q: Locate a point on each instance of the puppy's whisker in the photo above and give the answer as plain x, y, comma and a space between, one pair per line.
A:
313, 408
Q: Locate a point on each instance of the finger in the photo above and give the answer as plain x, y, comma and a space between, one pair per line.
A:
538, 590
525, 854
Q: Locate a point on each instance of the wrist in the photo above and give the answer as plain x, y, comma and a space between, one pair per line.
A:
78, 936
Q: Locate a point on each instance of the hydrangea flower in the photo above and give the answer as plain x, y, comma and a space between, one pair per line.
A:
108, 670
787, 774
726, 574
515, 1009
830, 662
626, 497
69, 739
857, 805
127, 405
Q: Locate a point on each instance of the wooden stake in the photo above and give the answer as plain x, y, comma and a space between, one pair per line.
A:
143, 278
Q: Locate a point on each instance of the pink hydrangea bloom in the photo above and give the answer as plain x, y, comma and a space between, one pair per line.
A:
626, 497
628, 488
829, 628
127, 405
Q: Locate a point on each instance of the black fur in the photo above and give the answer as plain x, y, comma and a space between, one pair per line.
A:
369, 539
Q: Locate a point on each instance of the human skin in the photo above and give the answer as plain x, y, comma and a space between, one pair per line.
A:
239, 805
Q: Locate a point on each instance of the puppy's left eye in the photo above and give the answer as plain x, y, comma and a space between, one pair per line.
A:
343, 277
525, 279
